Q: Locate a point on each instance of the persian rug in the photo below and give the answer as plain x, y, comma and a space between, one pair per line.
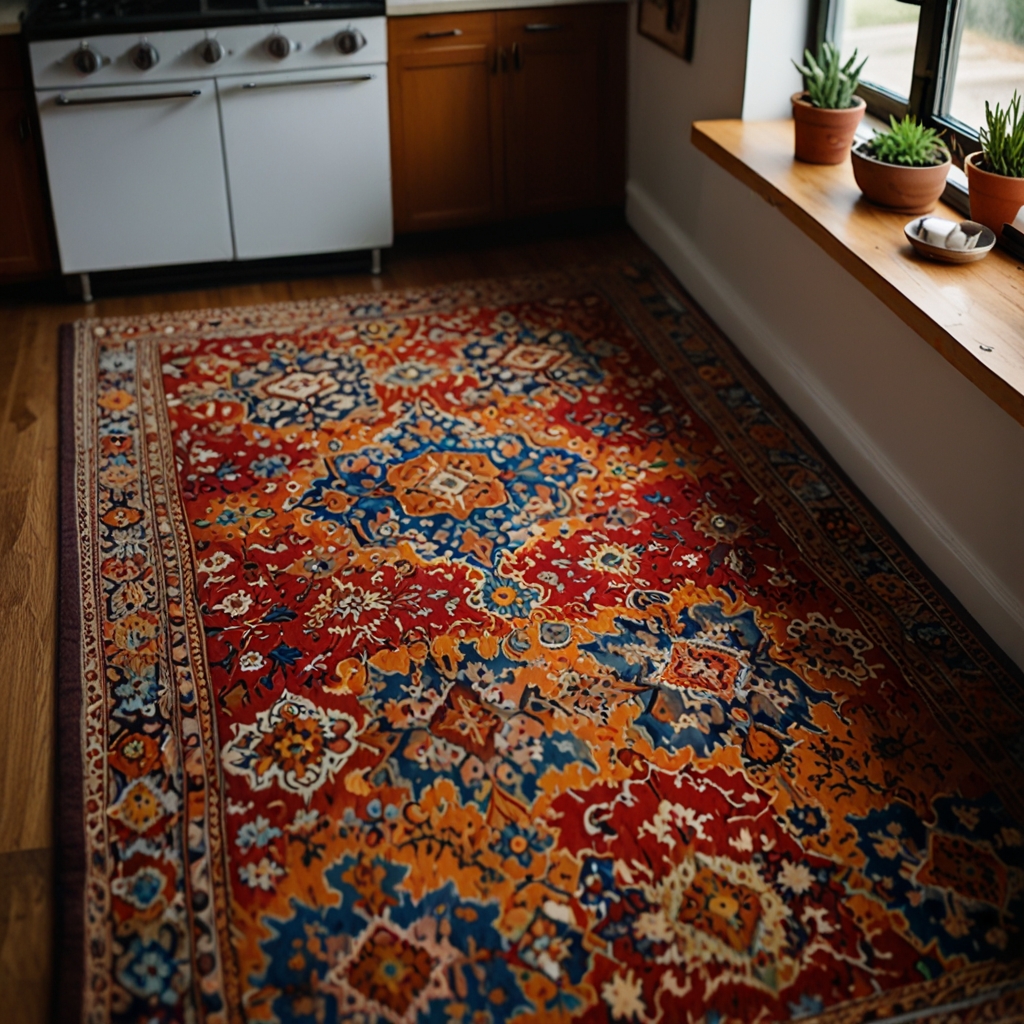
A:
507, 653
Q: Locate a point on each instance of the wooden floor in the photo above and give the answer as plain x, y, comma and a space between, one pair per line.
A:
28, 540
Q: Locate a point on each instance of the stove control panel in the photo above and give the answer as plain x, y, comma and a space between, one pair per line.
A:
349, 41
145, 56
279, 47
87, 61
189, 53
211, 51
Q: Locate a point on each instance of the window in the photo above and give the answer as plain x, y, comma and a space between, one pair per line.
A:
991, 58
884, 31
937, 59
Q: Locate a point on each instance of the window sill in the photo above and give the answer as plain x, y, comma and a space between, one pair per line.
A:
972, 314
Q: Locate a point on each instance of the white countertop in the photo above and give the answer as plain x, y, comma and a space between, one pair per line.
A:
403, 8
10, 16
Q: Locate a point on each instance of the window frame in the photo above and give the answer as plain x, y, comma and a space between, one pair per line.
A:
939, 32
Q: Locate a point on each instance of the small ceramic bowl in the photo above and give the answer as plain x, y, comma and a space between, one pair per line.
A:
986, 243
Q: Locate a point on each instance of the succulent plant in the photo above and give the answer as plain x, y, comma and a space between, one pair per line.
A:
1002, 139
830, 84
908, 144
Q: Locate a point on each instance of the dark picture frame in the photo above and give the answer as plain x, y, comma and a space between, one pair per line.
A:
669, 23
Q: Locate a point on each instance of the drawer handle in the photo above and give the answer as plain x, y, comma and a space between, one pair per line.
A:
543, 26
517, 59
440, 35
309, 81
66, 101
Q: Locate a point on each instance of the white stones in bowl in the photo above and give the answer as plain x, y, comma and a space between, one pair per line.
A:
949, 241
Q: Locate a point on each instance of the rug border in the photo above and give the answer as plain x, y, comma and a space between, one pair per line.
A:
69, 818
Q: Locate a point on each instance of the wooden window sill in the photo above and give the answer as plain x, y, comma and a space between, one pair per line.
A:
973, 314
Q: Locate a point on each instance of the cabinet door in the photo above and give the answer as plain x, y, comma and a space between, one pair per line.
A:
445, 121
24, 236
565, 106
25, 249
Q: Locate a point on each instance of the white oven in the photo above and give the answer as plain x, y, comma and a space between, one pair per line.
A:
197, 145
136, 175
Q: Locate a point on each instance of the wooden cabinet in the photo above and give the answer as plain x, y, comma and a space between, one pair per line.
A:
507, 113
564, 107
25, 249
446, 139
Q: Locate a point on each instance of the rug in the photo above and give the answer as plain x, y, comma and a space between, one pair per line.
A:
506, 653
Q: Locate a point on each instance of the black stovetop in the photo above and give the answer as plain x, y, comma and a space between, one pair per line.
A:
60, 19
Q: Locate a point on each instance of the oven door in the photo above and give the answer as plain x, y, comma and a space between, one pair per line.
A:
308, 159
136, 175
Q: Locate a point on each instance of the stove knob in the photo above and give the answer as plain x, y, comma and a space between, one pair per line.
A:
87, 61
350, 40
145, 56
211, 51
279, 47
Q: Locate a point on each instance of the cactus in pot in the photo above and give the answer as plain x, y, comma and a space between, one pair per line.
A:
995, 174
827, 112
903, 169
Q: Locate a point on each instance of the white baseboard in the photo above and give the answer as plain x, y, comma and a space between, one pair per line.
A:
984, 595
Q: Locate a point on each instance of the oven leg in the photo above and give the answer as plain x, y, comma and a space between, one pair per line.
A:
375, 262
86, 287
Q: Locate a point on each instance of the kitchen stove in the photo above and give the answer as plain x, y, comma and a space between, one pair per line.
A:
191, 131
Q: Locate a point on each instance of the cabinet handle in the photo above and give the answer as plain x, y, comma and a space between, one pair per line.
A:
25, 129
64, 101
440, 35
501, 57
517, 60
543, 26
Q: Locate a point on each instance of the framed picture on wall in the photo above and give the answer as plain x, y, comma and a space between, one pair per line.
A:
670, 24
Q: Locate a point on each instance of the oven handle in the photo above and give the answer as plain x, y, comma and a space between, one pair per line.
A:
309, 81
65, 101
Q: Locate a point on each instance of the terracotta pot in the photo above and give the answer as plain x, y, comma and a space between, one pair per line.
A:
824, 136
995, 199
899, 188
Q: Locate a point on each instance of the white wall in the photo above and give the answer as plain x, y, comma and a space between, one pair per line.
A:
667, 94
939, 459
778, 30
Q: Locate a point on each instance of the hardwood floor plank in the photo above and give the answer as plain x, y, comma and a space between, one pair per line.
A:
26, 913
28, 567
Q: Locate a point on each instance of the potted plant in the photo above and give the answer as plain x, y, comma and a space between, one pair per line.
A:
827, 112
995, 175
904, 169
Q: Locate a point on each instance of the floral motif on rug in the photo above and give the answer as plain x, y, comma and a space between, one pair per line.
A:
506, 653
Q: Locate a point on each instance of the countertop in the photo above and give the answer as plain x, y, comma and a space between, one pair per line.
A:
403, 8
10, 16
